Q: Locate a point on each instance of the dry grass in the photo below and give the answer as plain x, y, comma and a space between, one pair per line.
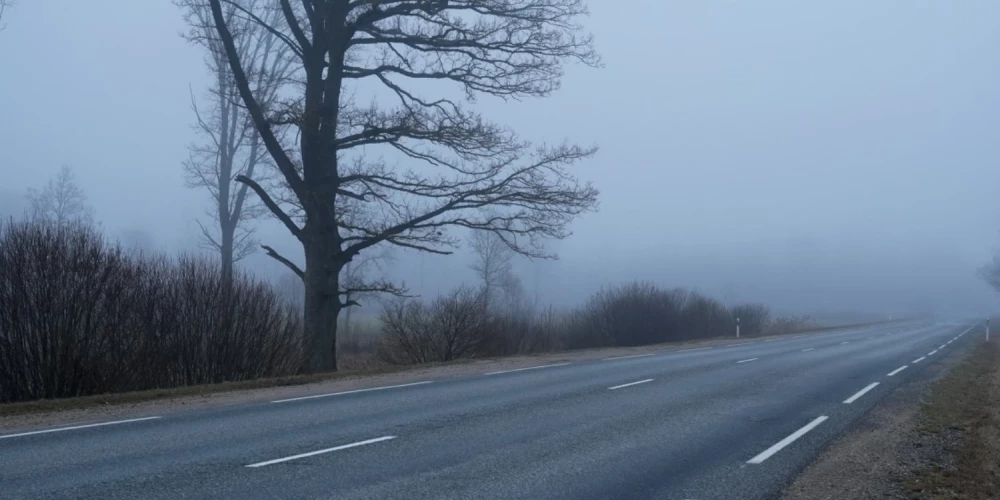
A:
963, 413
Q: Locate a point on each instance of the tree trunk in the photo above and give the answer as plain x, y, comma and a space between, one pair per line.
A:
347, 300
322, 308
226, 252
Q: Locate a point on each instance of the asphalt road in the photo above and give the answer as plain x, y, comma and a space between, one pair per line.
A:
727, 422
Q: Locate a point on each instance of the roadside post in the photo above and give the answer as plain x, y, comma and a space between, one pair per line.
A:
738, 327
987, 329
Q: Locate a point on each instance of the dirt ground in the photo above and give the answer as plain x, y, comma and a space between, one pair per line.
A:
933, 439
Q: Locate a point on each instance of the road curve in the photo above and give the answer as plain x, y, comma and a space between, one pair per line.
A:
733, 421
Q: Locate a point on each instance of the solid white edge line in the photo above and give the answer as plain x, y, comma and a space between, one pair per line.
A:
807, 349
860, 393
747, 360
630, 356
897, 370
764, 455
528, 368
630, 384
320, 452
59, 429
932, 352
355, 391
921, 358
738, 343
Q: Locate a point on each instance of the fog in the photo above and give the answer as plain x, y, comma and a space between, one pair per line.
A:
815, 156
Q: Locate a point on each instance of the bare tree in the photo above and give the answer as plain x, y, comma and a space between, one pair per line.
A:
492, 263
3, 6
990, 273
61, 202
232, 146
464, 171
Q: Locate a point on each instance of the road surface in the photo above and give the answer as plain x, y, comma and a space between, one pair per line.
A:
733, 421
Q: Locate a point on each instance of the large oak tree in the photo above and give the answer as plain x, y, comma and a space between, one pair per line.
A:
455, 169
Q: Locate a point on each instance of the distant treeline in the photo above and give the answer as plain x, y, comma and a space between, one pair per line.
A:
461, 324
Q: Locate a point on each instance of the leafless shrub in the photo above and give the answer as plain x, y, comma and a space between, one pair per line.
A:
453, 326
754, 318
790, 324
642, 313
78, 317
461, 325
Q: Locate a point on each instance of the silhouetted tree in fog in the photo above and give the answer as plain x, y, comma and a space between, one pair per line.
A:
3, 7
61, 202
462, 170
491, 262
231, 146
990, 273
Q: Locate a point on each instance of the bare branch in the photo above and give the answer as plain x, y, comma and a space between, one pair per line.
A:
271, 205
281, 158
507, 48
378, 286
293, 24
208, 237
3, 6
296, 48
291, 265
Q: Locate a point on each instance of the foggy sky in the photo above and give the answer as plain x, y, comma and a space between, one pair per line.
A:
811, 155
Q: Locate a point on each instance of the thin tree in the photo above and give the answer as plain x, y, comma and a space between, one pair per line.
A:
3, 6
990, 273
61, 203
462, 170
231, 146
492, 263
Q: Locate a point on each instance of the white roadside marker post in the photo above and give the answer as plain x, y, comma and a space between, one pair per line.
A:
987, 329
738, 327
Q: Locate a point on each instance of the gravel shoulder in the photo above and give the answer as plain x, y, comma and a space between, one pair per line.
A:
937, 437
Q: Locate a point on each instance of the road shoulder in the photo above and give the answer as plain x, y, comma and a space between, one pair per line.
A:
933, 438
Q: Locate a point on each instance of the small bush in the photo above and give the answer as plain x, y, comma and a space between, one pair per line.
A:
641, 313
790, 324
459, 325
755, 319
79, 316
451, 327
